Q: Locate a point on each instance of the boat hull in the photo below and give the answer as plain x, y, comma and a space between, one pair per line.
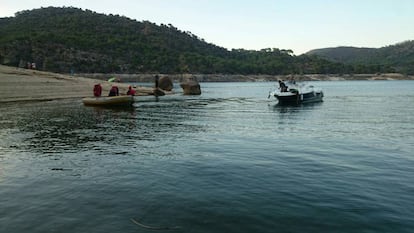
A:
112, 101
296, 98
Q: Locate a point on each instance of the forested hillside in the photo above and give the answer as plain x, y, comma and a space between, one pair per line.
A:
398, 57
70, 39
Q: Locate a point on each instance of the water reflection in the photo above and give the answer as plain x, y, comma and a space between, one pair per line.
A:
214, 163
283, 108
68, 126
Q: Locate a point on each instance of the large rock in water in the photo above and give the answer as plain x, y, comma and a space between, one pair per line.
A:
191, 87
165, 83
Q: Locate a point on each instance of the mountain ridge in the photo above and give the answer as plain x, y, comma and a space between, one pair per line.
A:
69, 39
399, 56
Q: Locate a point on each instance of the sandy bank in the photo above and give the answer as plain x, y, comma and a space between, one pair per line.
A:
32, 85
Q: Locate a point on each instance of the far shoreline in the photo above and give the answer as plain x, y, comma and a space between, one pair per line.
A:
144, 78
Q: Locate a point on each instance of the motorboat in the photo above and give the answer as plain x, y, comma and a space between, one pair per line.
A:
297, 93
109, 101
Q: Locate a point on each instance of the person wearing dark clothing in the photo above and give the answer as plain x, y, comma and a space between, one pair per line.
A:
282, 86
157, 78
97, 90
131, 91
114, 91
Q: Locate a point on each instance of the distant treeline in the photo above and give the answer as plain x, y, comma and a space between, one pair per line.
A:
398, 57
73, 40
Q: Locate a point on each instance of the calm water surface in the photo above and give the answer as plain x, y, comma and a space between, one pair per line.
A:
230, 160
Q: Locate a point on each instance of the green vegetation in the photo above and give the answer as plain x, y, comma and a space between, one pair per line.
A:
397, 58
65, 39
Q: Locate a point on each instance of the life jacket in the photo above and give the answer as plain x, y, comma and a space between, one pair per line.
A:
97, 90
131, 91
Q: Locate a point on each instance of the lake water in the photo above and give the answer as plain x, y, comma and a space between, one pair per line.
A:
230, 160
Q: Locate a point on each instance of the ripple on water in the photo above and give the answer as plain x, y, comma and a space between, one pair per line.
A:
230, 160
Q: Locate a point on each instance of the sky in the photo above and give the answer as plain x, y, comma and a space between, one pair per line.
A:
299, 25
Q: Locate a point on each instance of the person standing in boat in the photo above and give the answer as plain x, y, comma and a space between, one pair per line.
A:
114, 91
282, 86
157, 78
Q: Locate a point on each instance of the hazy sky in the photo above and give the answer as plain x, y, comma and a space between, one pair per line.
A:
300, 25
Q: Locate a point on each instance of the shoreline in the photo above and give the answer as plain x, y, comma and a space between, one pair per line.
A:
249, 78
23, 85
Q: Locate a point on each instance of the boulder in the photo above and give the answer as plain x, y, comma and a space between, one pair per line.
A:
165, 83
191, 87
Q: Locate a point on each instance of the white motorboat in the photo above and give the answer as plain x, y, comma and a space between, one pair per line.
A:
297, 93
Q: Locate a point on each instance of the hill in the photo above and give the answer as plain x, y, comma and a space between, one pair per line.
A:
74, 40
398, 57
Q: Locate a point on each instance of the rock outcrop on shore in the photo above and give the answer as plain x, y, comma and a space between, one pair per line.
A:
166, 83
191, 86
